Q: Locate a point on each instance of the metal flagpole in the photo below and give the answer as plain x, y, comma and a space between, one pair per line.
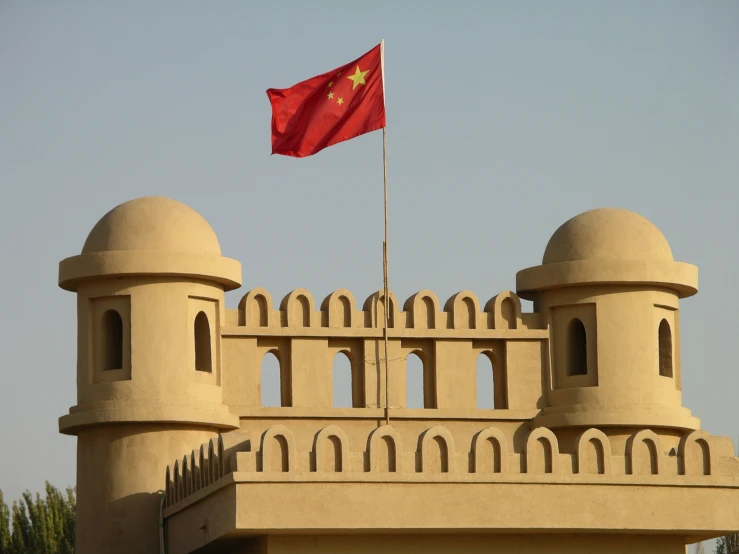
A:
386, 292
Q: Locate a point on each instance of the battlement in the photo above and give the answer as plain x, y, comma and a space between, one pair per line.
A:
592, 456
421, 312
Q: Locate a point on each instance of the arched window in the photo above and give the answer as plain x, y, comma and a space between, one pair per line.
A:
491, 383
271, 380
665, 349
112, 347
203, 357
420, 389
485, 383
341, 382
577, 352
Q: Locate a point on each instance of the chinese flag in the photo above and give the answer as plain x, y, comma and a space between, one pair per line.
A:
330, 108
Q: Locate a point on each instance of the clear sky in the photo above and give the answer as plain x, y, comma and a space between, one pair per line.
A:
505, 119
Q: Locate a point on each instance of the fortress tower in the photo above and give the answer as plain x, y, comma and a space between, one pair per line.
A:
149, 283
587, 448
609, 290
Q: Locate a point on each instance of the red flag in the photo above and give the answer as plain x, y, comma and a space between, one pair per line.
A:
330, 108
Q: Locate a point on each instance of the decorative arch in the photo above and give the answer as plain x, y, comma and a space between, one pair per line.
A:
212, 462
447, 452
506, 310
374, 305
593, 450
320, 446
464, 308
177, 482
422, 309
267, 447
637, 461
694, 454
168, 487
548, 441
255, 308
204, 473
186, 482
373, 447
499, 445
195, 472
339, 307
298, 307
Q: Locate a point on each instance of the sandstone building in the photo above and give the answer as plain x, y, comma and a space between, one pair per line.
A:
587, 449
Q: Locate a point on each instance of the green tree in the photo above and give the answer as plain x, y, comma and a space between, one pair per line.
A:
728, 544
38, 525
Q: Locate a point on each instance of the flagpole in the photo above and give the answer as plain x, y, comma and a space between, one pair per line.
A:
386, 292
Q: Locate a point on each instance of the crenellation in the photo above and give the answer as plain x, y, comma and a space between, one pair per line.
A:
420, 311
489, 455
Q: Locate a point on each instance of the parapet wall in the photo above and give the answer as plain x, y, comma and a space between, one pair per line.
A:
699, 458
448, 341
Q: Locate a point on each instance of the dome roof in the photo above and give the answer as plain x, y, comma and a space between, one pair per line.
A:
153, 223
607, 234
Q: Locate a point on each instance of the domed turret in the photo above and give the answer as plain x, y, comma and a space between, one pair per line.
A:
151, 236
150, 285
608, 288
607, 234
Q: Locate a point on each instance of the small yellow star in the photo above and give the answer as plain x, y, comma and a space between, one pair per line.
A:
340, 101
330, 95
358, 78
330, 83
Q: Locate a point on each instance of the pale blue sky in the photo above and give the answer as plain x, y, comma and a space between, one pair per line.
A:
504, 120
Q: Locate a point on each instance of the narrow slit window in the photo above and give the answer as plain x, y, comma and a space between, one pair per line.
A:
577, 351
665, 349
203, 354
112, 346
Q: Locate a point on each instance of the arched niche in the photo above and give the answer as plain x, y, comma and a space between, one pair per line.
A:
694, 454
339, 307
331, 440
385, 440
255, 308
542, 451
437, 438
593, 452
463, 308
374, 306
643, 453
298, 308
506, 310
490, 451
664, 340
281, 436
422, 310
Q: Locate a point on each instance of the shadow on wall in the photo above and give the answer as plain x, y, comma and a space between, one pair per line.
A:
139, 510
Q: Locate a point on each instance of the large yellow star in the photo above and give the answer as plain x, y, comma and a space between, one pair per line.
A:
358, 78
